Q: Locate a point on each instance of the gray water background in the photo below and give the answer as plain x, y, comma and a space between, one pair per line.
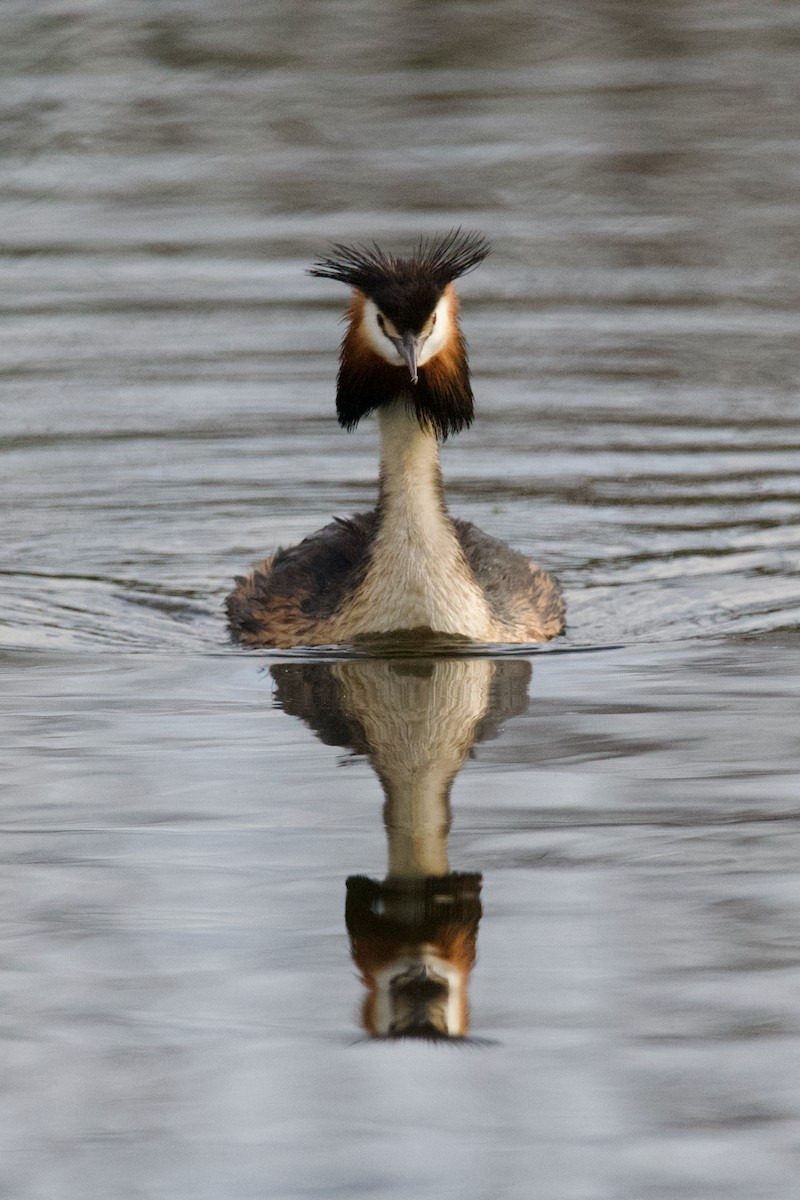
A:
180, 1004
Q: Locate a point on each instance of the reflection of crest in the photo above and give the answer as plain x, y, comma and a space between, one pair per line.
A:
413, 936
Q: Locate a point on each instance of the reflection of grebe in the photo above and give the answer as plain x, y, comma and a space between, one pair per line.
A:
413, 934
407, 564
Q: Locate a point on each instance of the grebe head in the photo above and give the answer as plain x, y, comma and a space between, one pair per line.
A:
403, 337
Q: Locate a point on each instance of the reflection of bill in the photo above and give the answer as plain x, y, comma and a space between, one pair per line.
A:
413, 936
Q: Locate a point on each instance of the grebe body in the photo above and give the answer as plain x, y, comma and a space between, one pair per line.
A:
406, 565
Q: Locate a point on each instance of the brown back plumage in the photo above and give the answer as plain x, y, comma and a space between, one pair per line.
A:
289, 599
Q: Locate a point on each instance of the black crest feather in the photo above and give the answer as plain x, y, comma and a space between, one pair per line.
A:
406, 289
441, 260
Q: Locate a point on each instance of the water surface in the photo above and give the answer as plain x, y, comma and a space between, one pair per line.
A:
182, 1006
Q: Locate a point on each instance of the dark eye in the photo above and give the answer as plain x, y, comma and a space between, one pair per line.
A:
433, 320
381, 322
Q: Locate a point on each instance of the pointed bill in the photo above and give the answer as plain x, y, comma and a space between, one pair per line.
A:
408, 346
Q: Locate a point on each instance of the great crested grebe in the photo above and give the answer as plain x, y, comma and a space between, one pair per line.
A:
406, 565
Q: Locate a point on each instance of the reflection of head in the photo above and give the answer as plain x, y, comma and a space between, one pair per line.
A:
413, 941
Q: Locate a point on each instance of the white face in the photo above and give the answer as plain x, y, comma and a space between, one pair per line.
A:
379, 332
451, 1009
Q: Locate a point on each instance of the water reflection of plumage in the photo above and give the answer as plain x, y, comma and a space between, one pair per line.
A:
413, 934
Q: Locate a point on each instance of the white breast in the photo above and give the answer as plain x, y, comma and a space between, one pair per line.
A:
418, 576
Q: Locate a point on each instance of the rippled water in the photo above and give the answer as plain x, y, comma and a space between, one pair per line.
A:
178, 823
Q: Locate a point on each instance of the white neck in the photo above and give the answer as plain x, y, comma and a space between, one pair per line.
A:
411, 473
418, 577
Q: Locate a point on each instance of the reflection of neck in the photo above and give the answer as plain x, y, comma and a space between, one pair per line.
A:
417, 816
419, 724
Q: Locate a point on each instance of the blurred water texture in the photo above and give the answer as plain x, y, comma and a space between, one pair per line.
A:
181, 1004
